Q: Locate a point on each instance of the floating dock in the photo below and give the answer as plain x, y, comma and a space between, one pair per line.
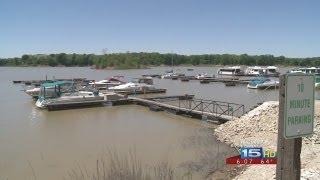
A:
186, 105
209, 110
226, 80
141, 91
86, 104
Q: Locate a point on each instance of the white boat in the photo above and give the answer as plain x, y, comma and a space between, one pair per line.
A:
106, 83
202, 76
263, 83
262, 71
145, 80
64, 92
233, 71
70, 98
169, 75
306, 70
254, 71
34, 92
272, 71
131, 86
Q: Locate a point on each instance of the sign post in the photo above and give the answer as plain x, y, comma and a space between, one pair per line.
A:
296, 116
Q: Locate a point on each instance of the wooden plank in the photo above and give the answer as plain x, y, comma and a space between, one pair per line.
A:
288, 150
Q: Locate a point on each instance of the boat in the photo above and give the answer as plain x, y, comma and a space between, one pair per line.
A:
34, 92
262, 71
145, 79
190, 69
132, 86
106, 83
79, 97
271, 71
202, 76
233, 71
263, 83
306, 70
254, 71
62, 92
170, 75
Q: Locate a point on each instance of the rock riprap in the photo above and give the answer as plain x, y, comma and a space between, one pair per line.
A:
258, 128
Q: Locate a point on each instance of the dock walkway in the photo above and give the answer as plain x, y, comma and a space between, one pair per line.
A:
181, 105
197, 108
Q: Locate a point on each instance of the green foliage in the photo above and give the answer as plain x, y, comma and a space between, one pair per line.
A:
141, 60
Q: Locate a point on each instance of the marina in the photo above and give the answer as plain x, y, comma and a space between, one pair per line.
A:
159, 90
171, 115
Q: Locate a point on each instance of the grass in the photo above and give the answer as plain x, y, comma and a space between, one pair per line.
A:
115, 166
209, 159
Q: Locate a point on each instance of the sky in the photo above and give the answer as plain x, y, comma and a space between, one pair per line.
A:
279, 27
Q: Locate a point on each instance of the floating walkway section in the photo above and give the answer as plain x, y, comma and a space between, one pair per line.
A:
139, 91
197, 108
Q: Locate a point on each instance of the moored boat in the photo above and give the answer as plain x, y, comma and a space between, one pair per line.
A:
306, 70
132, 86
64, 92
263, 83
231, 71
106, 83
34, 92
169, 75
254, 71
272, 71
262, 71
202, 76
79, 97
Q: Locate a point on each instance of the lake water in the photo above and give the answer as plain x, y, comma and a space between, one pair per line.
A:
48, 145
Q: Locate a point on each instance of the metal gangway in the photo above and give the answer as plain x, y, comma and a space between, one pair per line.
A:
197, 108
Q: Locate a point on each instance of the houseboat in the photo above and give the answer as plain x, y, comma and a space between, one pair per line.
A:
232, 71
306, 70
262, 71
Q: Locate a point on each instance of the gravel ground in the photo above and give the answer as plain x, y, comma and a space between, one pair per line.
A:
259, 128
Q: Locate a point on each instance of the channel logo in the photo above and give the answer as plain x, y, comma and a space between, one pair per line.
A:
253, 155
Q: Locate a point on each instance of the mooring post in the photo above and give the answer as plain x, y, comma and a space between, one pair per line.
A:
288, 150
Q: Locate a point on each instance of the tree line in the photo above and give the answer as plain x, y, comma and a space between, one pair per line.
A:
142, 60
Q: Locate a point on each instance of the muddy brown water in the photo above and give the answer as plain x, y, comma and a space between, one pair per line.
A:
48, 145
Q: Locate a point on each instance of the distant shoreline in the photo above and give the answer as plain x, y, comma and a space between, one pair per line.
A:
143, 60
148, 67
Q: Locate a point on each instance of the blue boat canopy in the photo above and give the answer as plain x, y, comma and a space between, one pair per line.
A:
258, 81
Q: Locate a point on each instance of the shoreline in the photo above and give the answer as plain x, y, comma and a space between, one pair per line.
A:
148, 67
258, 128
